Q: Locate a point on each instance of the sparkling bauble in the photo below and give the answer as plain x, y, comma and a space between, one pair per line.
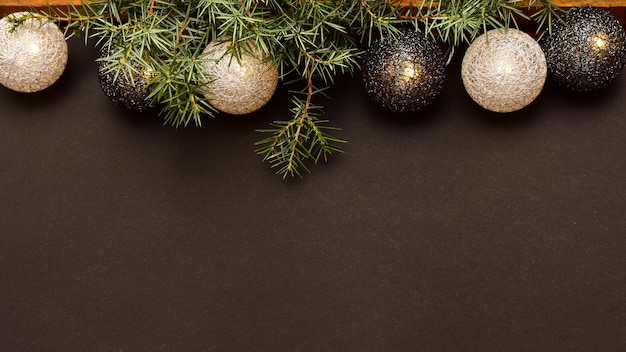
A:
587, 51
33, 56
504, 70
405, 73
130, 92
238, 85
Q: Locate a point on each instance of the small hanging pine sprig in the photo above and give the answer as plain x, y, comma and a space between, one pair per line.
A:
311, 40
303, 138
318, 42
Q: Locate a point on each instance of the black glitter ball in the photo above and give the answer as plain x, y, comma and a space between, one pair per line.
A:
587, 51
132, 95
405, 73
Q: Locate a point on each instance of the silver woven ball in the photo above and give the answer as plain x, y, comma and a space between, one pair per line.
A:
238, 86
587, 50
33, 56
504, 70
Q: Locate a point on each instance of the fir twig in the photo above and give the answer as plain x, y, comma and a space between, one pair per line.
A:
303, 138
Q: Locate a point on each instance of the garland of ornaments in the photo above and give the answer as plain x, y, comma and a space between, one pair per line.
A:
503, 70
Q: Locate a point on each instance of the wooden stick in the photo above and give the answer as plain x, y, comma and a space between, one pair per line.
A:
563, 3
38, 3
560, 3
8, 6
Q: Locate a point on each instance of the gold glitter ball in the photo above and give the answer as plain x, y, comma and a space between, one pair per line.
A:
504, 70
33, 55
238, 86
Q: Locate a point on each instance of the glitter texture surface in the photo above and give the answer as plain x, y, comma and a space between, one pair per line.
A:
404, 74
587, 51
32, 57
238, 86
504, 70
131, 94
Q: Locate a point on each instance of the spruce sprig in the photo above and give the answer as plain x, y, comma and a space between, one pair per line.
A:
305, 137
459, 22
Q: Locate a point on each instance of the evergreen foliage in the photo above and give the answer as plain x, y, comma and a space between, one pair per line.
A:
312, 40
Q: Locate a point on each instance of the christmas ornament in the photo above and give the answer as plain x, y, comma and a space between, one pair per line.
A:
587, 51
404, 74
239, 85
504, 70
130, 92
33, 55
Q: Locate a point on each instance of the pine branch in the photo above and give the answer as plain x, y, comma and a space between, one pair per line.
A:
303, 138
461, 21
314, 40
545, 12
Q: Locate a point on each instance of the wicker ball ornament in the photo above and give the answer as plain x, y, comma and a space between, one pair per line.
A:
504, 70
405, 73
129, 92
33, 56
587, 51
238, 86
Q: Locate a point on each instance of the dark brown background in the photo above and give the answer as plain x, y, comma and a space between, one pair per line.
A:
455, 229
